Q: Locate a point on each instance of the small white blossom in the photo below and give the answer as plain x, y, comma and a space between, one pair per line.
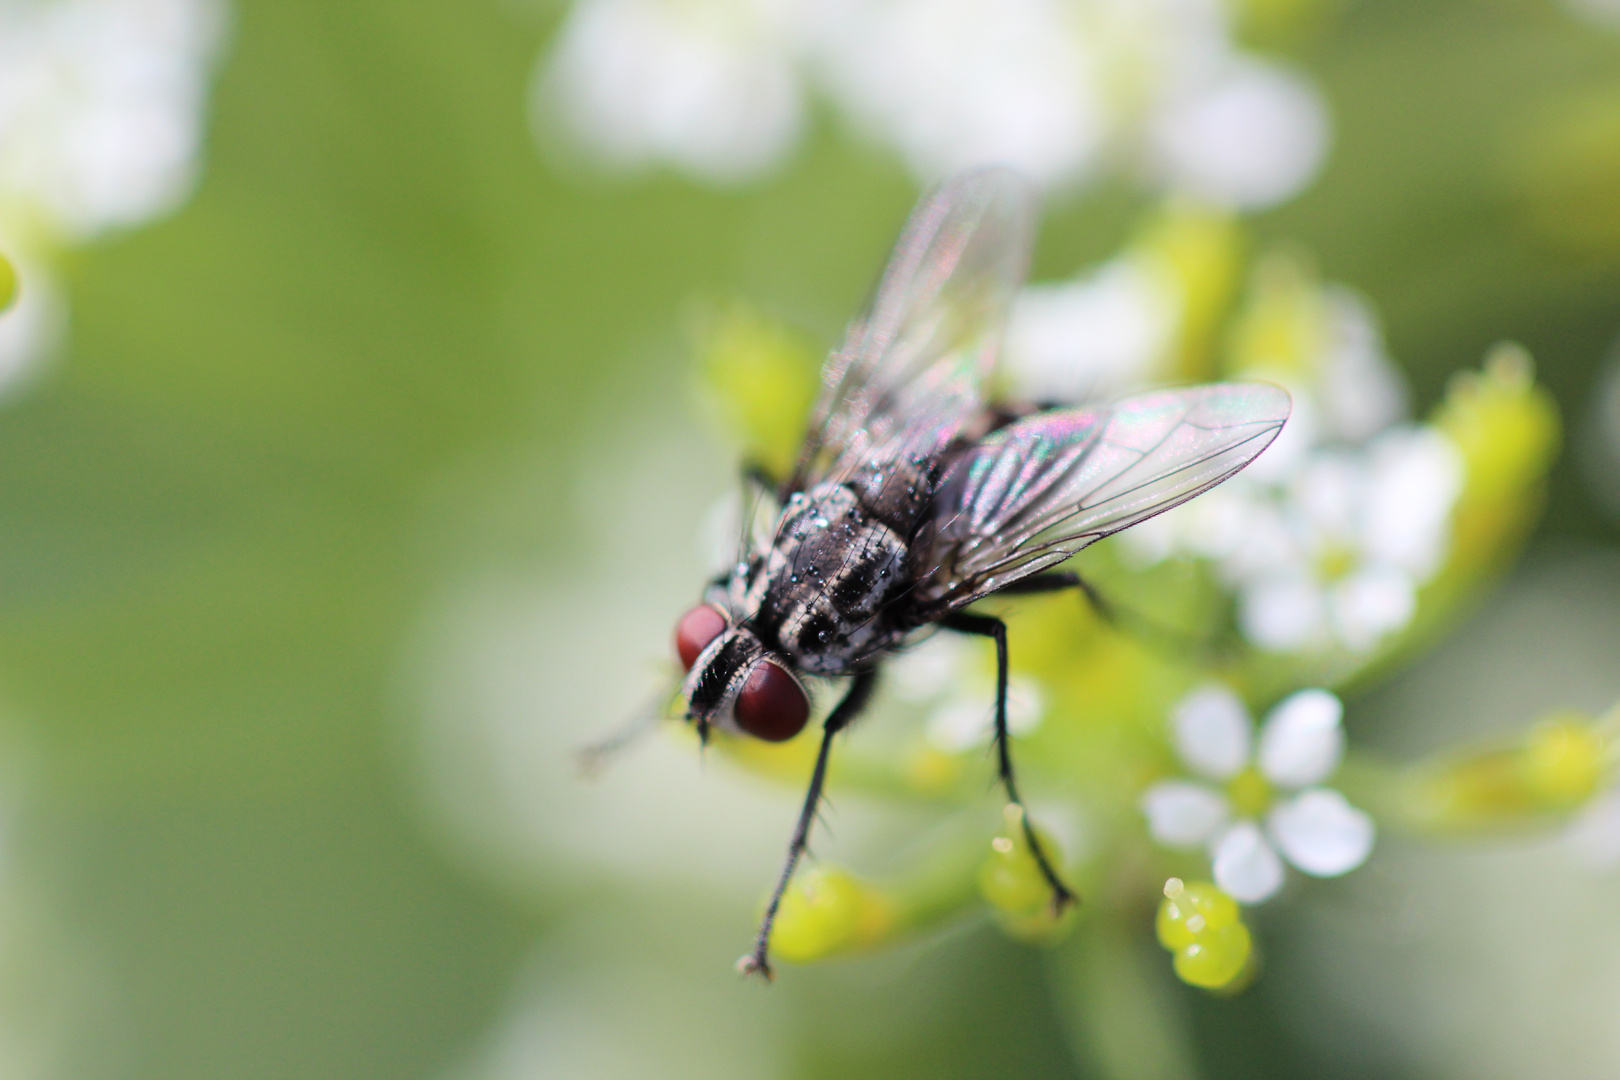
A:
960, 712
1250, 136
101, 124
1091, 338
101, 107
1057, 88
1299, 747
1328, 536
709, 86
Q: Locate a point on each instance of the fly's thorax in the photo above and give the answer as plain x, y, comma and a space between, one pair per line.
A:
834, 567
898, 491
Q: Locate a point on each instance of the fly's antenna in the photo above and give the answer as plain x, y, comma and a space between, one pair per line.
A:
594, 757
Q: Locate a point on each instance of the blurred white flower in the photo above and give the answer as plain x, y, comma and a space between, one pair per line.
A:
1338, 559
959, 710
1327, 538
101, 118
1605, 13
101, 107
955, 83
709, 86
1250, 136
35, 323
1057, 88
1234, 810
1090, 338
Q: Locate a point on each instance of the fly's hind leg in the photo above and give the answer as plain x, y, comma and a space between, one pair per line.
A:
860, 691
987, 626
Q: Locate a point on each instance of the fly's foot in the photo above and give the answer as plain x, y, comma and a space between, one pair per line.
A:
754, 963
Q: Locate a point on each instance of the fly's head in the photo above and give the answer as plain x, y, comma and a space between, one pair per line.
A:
733, 683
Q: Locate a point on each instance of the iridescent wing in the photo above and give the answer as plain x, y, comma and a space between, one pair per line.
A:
909, 372
1037, 491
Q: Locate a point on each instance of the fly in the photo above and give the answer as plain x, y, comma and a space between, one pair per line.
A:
913, 498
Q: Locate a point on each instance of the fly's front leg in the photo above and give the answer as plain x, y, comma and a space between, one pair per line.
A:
854, 701
987, 626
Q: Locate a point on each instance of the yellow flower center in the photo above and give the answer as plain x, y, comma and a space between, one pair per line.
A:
1250, 793
1335, 562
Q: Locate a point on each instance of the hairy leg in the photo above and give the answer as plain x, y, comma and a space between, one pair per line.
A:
854, 701
986, 626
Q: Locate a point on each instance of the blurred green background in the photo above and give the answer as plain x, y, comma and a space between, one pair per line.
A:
386, 345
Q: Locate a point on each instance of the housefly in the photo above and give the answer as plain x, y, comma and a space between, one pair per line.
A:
913, 497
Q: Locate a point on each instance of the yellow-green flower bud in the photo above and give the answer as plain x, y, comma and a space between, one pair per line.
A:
1505, 425
1559, 764
1198, 252
8, 283
1204, 929
761, 379
1018, 893
827, 911
1563, 760
1282, 331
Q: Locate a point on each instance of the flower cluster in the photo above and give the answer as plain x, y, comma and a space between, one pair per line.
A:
101, 113
720, 89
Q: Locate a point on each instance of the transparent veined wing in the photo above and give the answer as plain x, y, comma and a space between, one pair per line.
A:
1037, 491
910, 371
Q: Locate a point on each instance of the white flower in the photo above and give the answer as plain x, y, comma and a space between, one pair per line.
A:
101, 107
1091, 338
954, 83
1250, 136
1234, 809
1328, 536
1346, 548
101, 117
1056, 88
960, 712
709, 86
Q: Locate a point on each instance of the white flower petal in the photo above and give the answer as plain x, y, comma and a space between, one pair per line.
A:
710, 88
1091, 337
922, 672
960, 725
1417, 476
1321, 833
1373, 602
1026, 705
1284, 613
1212, 732
1594, 837
1250, 137
1182, 813
1245, 865
1362, 389
955, 83
1302, 739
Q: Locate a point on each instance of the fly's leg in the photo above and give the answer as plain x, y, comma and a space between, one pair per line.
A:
854, 701
1154, 634
1057, 581
987, 626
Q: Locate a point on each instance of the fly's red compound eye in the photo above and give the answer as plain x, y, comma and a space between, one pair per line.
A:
772, 705
696, 629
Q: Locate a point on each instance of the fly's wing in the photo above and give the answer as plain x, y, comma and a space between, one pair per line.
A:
1039, 490
910, 370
